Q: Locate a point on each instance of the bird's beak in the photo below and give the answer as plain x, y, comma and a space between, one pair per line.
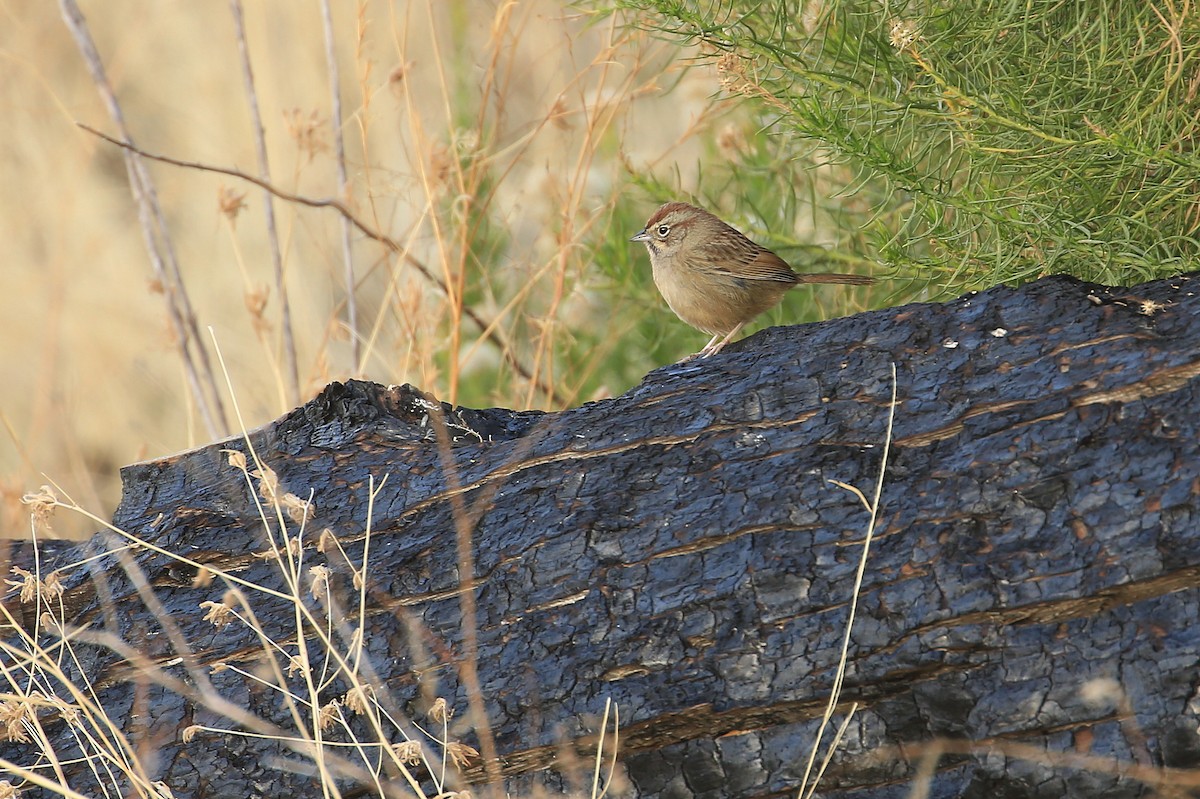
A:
643, 236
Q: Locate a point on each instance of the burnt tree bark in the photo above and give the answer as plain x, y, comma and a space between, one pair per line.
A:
1030, 606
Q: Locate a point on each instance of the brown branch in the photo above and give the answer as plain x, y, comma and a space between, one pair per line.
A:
489, 331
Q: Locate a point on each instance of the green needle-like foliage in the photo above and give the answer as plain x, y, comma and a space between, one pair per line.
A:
1000, 141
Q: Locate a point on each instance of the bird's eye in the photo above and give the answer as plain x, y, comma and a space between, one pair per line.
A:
663, 230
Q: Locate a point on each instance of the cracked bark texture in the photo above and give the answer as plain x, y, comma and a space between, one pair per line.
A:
1030, 599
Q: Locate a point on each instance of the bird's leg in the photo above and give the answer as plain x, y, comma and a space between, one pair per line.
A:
711, 350
703, 353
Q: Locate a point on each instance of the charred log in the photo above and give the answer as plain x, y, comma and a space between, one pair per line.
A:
1029, 608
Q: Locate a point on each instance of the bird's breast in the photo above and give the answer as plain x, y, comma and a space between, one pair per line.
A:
709, 301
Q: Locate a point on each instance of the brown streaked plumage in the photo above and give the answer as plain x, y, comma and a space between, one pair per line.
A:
713, 277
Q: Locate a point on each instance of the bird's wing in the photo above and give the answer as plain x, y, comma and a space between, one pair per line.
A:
749, 261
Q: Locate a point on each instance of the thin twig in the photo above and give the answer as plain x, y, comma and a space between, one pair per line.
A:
339, 147
490, 330
291, 368
156, 235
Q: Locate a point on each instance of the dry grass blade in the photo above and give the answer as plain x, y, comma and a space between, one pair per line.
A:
599, 791
807, 789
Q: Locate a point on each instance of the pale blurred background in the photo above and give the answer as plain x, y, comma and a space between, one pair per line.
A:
92, 376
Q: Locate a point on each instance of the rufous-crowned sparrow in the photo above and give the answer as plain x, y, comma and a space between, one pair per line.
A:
713, 277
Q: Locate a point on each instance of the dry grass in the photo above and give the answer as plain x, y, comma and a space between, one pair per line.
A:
361, 737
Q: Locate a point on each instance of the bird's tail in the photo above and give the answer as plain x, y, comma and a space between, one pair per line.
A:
832, 277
